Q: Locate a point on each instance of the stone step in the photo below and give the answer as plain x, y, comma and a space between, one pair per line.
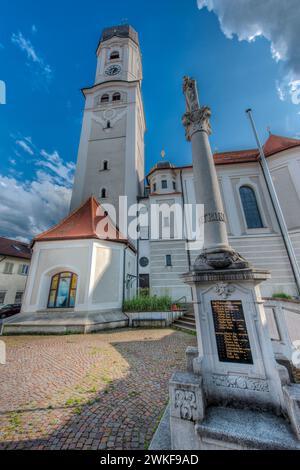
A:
190, 315
184, 325
184, 328
190, 321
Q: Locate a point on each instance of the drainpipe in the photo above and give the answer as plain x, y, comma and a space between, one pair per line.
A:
183, 201
186, 240
124, 273
276, 205
137, 260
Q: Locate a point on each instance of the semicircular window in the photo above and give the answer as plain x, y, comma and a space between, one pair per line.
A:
63, 290
116, 97
114, 55
250, 207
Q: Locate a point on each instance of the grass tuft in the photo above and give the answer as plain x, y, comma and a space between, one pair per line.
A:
148, 304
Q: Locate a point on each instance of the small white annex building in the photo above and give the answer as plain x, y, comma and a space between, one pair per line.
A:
82, 265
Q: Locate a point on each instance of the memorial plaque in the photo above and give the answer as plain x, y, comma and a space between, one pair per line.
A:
231, 331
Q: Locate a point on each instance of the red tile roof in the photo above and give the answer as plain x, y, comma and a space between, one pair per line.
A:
240, 156
14, 248
274, 144
89, 221
277, 143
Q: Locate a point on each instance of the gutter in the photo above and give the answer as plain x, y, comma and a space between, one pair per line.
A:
124, 271
186, 240
183, 200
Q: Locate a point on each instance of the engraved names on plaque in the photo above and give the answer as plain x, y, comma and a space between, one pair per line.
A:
231, 331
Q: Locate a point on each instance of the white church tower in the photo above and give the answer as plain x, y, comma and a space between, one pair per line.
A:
111, 152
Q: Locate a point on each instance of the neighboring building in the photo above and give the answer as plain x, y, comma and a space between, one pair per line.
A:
76, 267
14, 267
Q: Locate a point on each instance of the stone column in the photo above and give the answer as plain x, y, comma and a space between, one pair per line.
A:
216, 251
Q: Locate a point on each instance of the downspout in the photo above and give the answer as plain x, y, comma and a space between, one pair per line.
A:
137, 259
124, 274
186, 239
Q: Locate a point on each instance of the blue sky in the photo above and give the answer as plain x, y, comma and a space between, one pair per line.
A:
47, 54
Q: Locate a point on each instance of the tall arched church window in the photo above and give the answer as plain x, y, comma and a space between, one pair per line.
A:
116, 97
105, 98
103, 193
105, 165
63, 290
250, 207
114, 55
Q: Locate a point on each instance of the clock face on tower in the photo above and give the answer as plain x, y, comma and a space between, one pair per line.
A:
113, 70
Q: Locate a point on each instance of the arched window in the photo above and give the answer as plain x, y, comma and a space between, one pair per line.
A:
116, 97
105, 165
103, 193
250, 206
105, 98
63, 290
114, 55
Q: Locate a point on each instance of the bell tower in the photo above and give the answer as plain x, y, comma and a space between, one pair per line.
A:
111, 152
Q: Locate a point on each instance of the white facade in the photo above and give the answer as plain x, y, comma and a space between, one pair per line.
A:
102, 268
263, 247
13, 277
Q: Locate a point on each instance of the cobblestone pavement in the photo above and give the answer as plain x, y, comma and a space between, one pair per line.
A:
102, 391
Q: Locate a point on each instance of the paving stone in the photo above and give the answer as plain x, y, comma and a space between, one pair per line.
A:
93, 392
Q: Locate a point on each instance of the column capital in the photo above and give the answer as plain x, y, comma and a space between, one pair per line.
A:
196, 121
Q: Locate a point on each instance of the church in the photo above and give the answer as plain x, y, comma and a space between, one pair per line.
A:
86, 264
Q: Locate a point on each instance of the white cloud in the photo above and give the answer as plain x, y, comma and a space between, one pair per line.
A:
33, 29
60, 172
276, 20
24, 146
1, 46
26, 46
30, 207
22, 239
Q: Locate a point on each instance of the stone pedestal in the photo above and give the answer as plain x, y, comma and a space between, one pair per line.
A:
236, 359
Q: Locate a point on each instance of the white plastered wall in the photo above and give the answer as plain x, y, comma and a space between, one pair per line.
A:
98, 265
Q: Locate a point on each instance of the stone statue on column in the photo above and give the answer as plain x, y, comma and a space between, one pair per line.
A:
217, 253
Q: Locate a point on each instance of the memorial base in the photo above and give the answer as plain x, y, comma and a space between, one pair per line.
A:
234, 394
233, 429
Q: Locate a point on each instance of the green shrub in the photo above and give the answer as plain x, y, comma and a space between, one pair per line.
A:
281, 295
145, 292
148, 304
